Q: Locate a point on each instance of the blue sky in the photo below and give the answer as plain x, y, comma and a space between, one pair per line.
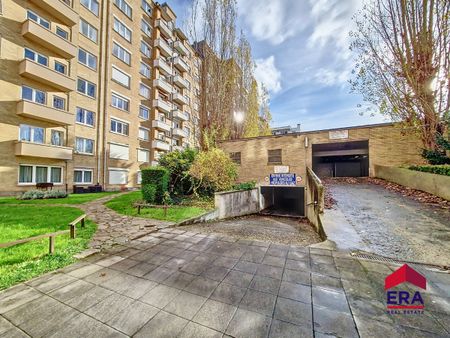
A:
302, 56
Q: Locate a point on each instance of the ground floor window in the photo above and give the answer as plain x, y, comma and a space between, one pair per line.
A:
118, 176
83, 176
32, 174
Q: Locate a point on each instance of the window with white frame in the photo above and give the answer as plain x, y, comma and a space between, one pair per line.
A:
144, 90
144, 134
34, 95
59, 102
144, 112
88, 30
143, 155
145, 27
120, 127
31, 133
120, 102
85, 117
62, 33
118, 176
146, 7
82, 176
84, 146
119, 151
124, 7
146, 49
38, 19
121, 53
87, 59
32, 174
145, 70
60, 67
91, 5
87, 88
122, 29
120, 77
36, 57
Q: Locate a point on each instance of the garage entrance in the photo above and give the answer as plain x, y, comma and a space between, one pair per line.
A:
283, 201
341, 159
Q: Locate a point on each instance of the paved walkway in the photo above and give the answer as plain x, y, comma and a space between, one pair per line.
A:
173, 283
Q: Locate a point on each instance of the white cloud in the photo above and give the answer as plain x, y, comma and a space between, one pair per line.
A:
331, 77
267, 73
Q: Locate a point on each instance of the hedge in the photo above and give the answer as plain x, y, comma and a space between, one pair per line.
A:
245, 185
157, 177
434, 169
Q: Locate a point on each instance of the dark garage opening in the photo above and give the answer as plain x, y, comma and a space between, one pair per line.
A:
341, 159
284, 201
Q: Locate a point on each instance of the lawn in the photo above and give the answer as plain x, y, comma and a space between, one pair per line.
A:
71, 199
124, 205
25, 261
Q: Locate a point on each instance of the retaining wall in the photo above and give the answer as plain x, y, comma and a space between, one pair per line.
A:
237, 203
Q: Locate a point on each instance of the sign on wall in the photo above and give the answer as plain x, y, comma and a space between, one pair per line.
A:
283, 179
338, 134
281, 169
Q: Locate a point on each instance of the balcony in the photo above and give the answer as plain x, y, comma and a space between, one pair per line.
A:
179, 148
164, 28
31, 30
180, 81
59, 9
162, 84
179, 98
163, 47
163, 106
47, 76
160, 125
181, 48
43, 150
179, 132
44, 113
163, 65
178, 114
180, 64
161, 145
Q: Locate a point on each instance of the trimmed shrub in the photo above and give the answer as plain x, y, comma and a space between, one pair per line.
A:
245, 185
149, 193
41, 194
434, 169
159, 178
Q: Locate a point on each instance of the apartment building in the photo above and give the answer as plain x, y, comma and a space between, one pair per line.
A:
91, 91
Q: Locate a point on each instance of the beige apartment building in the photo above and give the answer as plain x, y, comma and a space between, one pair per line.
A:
91, 91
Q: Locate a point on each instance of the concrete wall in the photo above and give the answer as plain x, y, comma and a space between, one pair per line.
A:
237, 203
438, 185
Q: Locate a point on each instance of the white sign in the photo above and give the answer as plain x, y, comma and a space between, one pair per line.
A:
281, 169
338, 134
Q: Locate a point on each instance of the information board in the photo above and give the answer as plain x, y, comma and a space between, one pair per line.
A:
283, 179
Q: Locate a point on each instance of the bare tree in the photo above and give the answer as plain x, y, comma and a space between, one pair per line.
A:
403, 61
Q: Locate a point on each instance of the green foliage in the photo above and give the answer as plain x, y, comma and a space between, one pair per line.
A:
159, 178
214, 171
71, 199
438, 155
434, 169
252, 119
178, 164
42, 194
245, 185
149, 193
166, 198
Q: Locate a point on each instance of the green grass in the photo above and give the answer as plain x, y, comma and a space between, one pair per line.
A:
25, 261
124, 205
71, 199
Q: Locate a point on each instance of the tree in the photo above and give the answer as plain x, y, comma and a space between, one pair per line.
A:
403, 61
252, 121
265, 115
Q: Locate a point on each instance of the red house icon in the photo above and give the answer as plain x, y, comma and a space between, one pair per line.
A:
405, 274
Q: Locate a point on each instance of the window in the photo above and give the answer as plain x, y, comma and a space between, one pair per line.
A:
36, 57
85, 117
59, 102
145, 70
87, 59
60, 68
31, 134
145, 49
122, 29
84, 146
32, 174
62, 33
144, 91
39, 20
146, 7
274, 156
83, 176
119, 151
121, 53
144, 134
145, 27
118, 176
86, 88
34, 95
236, 157
57, 138
91, 5
120, 102
88, 31
124, 7
143, 155
188, 131
144, 112
119, 127
120, 77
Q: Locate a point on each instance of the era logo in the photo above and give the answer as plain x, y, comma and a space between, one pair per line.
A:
403, 299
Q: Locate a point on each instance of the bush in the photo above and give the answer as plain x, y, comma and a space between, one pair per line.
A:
42, 194
149, 193
245, 185
434, 169
159, 178
439, 155
214, 171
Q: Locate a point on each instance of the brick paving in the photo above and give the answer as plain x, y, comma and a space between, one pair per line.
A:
173, 283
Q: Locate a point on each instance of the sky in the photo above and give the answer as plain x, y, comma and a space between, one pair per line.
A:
301, 50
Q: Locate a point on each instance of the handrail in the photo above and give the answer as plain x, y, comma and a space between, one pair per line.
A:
317, 188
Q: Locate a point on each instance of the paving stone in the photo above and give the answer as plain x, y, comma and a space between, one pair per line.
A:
216, 273
368, 327
331, 299
124, 264
270, 271
194, 268
416, 333
226, 262
137, 287
335, 323
298, 277
265, 284
280, 329
299, 292
14, 332
89, 298
215, 315
109, 307
174, 263
185, 305
159, 274
194, 330
321, 259
319, 251
423, 322
442, 318
109, 261
277, 252
101, 276
5, 325
163, 325
293, 312
228, 293
298, 255
254, 257
297, 265
244, 266
141, 269
274, 261
202, 286
28, 311
18, 297
238, 278
326, 281
179, 280
324, 269
369, 308
360, 289
160, 296
260, 302
248, 324
85, 271
51, 282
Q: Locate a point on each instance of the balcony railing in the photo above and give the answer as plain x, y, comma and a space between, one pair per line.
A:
45, 113
160, 125
180, 64
178, 114
163, 65
24, 148
180, 81
163, 47
162, 105
165, 29
180, 98
179, 132
61, 9
47, 76
162, 84
181, 48
161, 145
